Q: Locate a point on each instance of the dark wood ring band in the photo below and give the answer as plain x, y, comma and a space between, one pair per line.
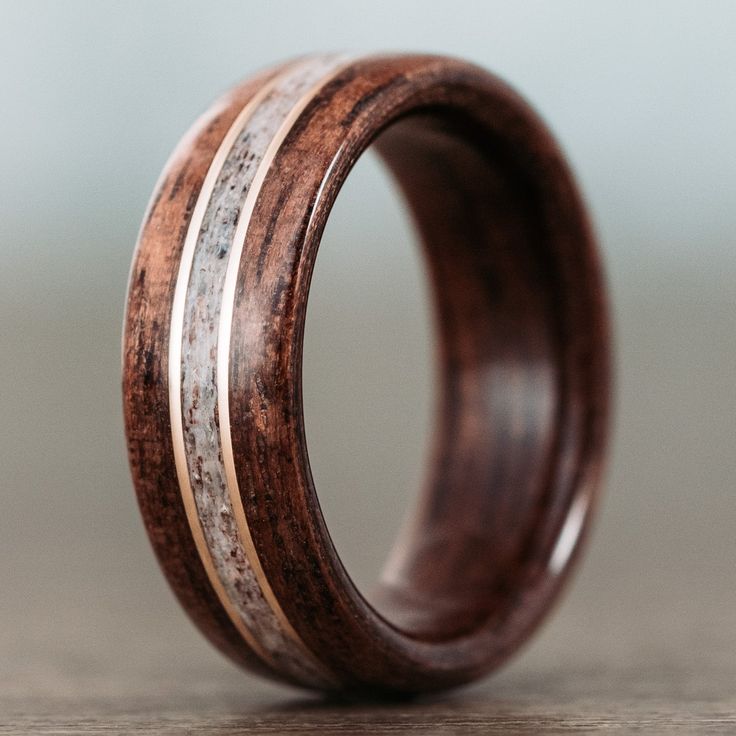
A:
212, 373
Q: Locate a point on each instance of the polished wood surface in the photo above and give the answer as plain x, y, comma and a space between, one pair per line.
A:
523, 398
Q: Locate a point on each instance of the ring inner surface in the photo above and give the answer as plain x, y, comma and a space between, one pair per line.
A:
464, 552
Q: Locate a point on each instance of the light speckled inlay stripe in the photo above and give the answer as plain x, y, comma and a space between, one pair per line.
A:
202, 443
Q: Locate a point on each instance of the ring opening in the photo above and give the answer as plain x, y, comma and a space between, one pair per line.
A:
462, 553
368, 369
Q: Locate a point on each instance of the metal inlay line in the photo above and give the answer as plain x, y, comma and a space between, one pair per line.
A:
225, 331
202, 302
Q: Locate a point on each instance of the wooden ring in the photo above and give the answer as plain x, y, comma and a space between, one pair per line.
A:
212, 373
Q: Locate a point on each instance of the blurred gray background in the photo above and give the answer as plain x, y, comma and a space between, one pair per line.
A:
642, 96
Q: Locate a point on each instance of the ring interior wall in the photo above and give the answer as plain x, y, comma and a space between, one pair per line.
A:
462, 552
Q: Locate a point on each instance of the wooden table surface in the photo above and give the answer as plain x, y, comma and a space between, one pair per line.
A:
651, 699
592, 669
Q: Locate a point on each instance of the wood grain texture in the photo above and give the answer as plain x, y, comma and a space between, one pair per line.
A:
145, 361
522, 403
